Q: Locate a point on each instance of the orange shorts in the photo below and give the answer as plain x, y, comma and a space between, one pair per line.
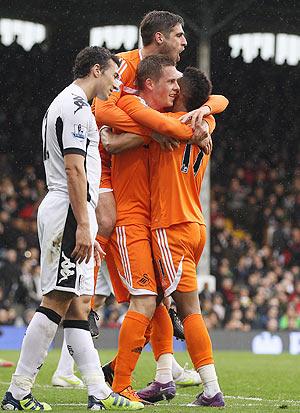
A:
120, 292
131, 248
177, 251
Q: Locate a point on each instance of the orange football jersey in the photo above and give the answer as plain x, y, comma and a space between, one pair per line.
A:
175, 177
175, 183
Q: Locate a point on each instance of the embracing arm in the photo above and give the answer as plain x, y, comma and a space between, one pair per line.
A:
154, 120
108, 113
116, 143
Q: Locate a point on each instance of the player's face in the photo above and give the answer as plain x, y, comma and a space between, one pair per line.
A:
108, 81
166, 89
174, 43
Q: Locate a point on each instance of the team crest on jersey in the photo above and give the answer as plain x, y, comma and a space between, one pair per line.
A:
79, 102
80, 132
66, 270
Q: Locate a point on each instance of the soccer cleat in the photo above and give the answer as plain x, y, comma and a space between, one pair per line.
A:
92, 320
27, 403
132, 395
156, 391
66, 381
188, 378
108, 373
113, 402
216, 401
177, 325
5, 363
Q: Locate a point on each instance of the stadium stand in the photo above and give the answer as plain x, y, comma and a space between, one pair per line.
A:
255, 178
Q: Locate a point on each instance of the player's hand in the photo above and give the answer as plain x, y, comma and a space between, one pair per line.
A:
99, 254
166, 143
195, 117
206, 145
84, 246
106, 136
167, 302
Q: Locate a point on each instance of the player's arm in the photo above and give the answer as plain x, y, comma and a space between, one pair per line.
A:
154, 120
116, 143
73, 144
108, 113
76, 179
214, 104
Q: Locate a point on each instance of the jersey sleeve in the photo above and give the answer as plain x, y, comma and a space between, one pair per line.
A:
138, 110
108, 113
217, 103
72, 128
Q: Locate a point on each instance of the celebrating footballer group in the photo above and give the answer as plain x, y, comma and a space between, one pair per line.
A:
132, 200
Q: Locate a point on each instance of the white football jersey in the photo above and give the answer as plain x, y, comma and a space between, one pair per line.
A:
70, 127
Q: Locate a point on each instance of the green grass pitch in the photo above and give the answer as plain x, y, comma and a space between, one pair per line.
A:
251, 383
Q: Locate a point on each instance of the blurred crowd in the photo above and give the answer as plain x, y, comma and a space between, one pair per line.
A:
255, 192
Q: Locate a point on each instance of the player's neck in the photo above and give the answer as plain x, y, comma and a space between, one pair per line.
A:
87, 87
179, 105
149, 50
151, 101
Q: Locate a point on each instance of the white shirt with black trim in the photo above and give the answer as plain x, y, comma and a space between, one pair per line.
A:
70, 127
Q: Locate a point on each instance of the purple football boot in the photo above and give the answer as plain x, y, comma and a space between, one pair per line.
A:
156, 391
216, 401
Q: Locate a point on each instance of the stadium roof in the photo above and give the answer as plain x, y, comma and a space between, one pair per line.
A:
233, 16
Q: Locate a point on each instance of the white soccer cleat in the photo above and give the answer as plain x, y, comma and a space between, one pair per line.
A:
188, 378
66, 381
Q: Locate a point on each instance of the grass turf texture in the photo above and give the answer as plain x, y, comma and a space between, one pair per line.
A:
251, 383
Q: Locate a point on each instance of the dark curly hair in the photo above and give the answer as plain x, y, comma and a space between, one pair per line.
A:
195, 87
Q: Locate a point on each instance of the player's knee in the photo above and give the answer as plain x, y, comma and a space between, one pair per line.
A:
145, 304
57, 301
106, 225
99, 300
79, 308
186, 303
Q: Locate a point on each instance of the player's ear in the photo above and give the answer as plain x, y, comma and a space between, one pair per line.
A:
159, 37
96, 70
148, 84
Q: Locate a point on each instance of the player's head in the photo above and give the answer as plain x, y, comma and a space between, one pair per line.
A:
165, 31
157, 79
195, 88
100, 65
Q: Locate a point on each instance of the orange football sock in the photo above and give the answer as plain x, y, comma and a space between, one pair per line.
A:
162, 332
130, 346
197, 340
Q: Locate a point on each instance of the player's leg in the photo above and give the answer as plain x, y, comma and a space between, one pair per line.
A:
106, 216
39, 335
130, 246
81, 346
64, 374
54, 227
177, 262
